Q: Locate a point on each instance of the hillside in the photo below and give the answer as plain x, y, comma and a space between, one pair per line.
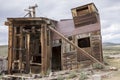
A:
3, 50
110, 44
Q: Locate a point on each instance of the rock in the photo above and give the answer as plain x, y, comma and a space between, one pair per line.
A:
113, 69
51, 74
96, 77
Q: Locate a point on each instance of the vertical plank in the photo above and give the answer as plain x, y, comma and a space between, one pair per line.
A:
10, 48
49, 49
62, 51
101, 52
28, 53
14, 45
21, 48
43, 49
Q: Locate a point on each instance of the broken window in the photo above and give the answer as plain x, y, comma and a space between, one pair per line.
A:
84, 42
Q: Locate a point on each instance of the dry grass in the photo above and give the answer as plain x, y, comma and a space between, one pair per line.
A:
115, 62
115, 76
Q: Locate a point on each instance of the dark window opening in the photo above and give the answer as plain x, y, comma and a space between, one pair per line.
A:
84, 42
60, 41
35, 48
37, 59
70, 38
18, 30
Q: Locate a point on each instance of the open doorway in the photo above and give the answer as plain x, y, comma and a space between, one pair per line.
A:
56, 58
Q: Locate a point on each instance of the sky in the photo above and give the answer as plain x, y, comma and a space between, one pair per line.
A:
109, 11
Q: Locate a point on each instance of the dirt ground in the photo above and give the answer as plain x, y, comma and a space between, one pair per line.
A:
111, 58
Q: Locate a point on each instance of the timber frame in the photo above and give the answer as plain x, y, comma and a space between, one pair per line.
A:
34, 47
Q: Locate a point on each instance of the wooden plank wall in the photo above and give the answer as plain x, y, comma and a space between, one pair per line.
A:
85, 15
46, 49
95, 48
69, 55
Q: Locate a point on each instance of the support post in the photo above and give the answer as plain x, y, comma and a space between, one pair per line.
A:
21, 49
28, 53
43, 49
14, 45
10, 48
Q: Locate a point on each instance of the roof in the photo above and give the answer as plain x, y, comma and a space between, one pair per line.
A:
67, 28
25, 20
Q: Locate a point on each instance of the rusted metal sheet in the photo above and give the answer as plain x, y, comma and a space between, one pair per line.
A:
67, 28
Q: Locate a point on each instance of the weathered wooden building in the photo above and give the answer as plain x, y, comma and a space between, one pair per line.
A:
39, 44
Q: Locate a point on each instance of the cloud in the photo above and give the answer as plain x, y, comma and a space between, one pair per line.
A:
112, 33
109, 11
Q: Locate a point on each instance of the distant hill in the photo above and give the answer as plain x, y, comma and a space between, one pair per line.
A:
3, 50
110, 44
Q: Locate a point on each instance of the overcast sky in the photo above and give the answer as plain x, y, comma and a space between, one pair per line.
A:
109, 11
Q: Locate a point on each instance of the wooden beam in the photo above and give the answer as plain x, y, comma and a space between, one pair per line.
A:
21, 49
28, 53
43, 49
78, 48
49, 50
46, 48
10, 48
14, 45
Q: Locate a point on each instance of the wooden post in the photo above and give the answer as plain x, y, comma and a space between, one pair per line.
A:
10, 48
21, 49
43, 49
14, 45
49, 50
28, 53
78, 48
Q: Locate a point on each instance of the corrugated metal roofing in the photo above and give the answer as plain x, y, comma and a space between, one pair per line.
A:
67, 28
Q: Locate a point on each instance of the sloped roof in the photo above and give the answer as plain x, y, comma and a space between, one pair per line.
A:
67, 28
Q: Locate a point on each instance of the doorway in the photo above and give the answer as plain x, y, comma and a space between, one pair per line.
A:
56, 58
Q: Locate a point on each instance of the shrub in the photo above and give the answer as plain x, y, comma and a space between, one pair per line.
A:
97, 66
83, 76
72, 75
60, 77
